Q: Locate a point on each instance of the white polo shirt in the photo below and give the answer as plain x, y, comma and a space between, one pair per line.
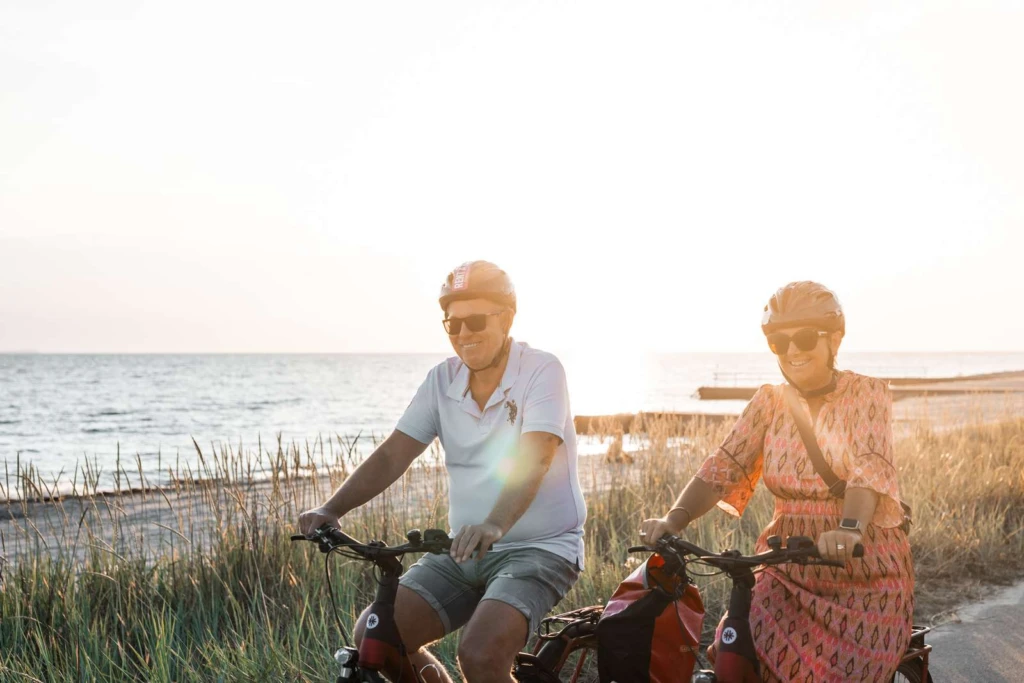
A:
481, 446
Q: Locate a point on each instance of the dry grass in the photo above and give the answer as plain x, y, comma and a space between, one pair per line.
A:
197, 581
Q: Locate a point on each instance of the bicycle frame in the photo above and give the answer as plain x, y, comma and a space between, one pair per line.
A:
736, 659
381, 646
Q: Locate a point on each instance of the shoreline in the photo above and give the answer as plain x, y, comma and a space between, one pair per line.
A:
938, 412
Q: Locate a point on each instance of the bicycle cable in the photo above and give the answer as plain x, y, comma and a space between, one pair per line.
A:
719, 572
330, 592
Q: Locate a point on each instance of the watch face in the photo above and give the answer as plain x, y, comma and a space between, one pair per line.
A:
850, 524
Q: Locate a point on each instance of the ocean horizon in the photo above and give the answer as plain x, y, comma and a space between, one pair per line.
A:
58, 411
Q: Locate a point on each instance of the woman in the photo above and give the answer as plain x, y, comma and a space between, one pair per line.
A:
814, 623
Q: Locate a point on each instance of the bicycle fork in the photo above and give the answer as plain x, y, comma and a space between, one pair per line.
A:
735, 659
381, 648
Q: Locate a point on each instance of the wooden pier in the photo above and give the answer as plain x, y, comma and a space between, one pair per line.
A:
904, 387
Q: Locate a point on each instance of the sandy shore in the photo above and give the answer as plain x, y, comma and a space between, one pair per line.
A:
946, 411
172, 520
190, 515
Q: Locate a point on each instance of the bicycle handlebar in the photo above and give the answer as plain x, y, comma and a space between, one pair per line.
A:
798, 550
328, 538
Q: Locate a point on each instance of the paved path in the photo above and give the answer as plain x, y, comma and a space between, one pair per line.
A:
986, 646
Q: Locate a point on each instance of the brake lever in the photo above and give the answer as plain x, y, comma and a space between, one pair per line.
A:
437, 540
318, 538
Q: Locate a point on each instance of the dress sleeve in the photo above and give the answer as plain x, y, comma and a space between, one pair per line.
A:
735, 466
872, 464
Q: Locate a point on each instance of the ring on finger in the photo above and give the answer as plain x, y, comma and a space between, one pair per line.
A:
840, 546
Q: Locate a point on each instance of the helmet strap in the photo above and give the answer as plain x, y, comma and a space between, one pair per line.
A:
827, 389
506, 345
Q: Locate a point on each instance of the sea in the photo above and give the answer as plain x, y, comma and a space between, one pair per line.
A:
59, 412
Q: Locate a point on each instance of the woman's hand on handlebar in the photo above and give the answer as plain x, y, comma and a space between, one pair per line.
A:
653, 529
837, 545
313, 519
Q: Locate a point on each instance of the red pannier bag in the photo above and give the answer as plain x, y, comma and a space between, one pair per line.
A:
650, 629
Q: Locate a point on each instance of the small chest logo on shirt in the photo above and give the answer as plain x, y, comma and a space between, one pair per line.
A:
513, 411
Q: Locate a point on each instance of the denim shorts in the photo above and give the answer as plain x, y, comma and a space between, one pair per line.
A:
529, 579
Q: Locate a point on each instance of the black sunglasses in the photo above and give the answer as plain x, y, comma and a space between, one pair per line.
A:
475, 323
805, 340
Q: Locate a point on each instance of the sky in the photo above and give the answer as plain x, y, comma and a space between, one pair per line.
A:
260, 177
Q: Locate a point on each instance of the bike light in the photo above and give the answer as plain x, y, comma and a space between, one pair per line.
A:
344, 656
704, 676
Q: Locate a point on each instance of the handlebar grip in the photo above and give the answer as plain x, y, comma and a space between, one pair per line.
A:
857, 551
336, 536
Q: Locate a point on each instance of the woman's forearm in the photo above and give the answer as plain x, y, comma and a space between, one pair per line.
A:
860, 504
696, 499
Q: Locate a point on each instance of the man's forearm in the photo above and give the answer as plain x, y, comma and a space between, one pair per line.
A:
514, 500
522, 486
369, 480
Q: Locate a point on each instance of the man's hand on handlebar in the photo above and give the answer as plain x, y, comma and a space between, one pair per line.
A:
313, 519
475, 537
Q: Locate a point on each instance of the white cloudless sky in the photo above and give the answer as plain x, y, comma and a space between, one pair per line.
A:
179, 176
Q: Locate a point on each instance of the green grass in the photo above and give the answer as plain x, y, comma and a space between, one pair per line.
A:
198, 582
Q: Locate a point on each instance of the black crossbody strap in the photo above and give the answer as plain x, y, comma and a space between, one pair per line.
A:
836, 486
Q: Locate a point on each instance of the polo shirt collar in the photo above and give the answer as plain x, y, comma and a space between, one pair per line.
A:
459, 388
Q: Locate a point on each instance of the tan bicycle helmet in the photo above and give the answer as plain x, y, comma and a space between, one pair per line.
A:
478, 280
804, 303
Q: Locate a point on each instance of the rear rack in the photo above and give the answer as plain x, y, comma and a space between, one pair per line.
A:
555, 626
917, 649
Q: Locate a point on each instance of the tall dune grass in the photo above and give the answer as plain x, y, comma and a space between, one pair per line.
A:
197, 580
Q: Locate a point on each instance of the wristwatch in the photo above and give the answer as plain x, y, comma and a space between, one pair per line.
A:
850, 524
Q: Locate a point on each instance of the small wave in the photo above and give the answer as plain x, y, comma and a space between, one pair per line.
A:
9, 422
274, 402
108, 412
98, 430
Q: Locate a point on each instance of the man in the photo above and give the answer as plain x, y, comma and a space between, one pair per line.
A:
501, 412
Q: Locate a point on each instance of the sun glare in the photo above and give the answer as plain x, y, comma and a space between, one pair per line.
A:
604, 382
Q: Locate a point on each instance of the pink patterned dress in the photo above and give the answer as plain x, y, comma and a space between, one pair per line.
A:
823, 623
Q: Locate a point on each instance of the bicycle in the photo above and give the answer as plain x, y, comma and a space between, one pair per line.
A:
570, 634
576, 632
381, 645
